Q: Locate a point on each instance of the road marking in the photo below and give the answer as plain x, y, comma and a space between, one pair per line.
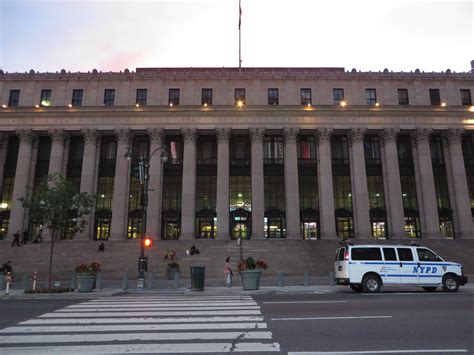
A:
157, 308
117, 337
296, 302
174, 299
147, 348
145, 320
333, 318
148, 314
131, 327
430, 351
156, 303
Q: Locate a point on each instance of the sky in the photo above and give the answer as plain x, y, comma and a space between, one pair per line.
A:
369, 35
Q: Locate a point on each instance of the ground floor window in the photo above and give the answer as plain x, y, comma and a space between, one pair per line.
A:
206, 224
344, 224
102, 224
378, 221
171, 224
274, 223
240, 224
309, 224
412, 223
135, 224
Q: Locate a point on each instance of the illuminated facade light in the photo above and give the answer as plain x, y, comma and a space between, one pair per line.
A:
308, 104
37, 106
343, 103
377, 104
70, 105
240, 103
205, 104
3, 205
137, 105
171, 104
4, 106
471, 109
443, 104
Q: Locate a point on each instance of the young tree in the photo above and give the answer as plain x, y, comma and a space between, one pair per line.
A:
52, 204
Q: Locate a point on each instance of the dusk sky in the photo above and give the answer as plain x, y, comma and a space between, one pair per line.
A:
80, 35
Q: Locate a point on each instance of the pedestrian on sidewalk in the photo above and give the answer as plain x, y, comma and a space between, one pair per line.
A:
16, 239
25, 238
6, 268
39, 238
228, 273
101, 248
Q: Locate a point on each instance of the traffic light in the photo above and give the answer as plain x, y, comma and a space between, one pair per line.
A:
147, 242
139, 172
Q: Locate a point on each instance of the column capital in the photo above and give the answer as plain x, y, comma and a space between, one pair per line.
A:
324, 135
123, 135
356, 135
290, 134
189, 135
256, 134
90, 135
390, 135
25, 135
422, 135
454, 135
156, 135
57, 135
223, 134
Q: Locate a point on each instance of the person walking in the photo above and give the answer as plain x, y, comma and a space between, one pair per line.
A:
228, 273
16, 239
6, 268
25, 238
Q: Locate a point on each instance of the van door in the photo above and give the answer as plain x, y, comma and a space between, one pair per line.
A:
408, 266
430, 269
391, 269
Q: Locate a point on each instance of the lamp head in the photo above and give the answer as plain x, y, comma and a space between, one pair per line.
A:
164, 154
128, 154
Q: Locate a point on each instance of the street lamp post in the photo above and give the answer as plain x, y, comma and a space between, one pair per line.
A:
143, 175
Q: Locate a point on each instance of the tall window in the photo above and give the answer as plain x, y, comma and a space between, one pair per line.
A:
372, 149
206, 152
370, 96
109, 97
466, 97
273, 97
338, 96
142, 97
436, 148
435, 98
273, 150
239, 96
305, 97
403, 97
206, 97
240, 192
308, 188
173, 97
77, 97
306, 148
376, 192
342, 192
14, 99
409, 192
339, 150
45, 99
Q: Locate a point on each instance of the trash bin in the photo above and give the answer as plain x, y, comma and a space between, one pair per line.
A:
197, 278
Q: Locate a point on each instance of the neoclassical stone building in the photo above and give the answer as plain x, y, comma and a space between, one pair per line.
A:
295, 153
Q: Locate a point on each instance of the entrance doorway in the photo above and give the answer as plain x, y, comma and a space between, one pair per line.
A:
171, 226
240, 224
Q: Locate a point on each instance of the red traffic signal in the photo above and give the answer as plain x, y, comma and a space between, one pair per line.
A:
147, 242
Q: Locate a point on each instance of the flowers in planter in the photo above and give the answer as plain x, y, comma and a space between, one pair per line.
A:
251, 264
170, 255
88, 270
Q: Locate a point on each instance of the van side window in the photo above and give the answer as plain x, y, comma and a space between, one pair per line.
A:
389, 254
366, 254
340, 254
426, 255
405, 254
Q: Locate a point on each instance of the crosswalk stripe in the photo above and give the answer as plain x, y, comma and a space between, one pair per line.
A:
148, 314
145, 320
157, 308
181, 298
131, 327
147, 348
149, 304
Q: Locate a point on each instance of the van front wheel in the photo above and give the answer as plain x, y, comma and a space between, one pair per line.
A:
371, 283
356, 287
450, 283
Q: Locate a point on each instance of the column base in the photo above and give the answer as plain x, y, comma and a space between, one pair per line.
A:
187, 236
293, 236
329, 236
434, 235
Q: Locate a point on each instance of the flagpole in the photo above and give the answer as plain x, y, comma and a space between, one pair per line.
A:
240, 38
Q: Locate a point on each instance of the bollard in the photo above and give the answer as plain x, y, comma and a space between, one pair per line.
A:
98, 281
2, 281
306, 278
74, 282
24, 282
125, 281
9, 279
176, 279
280, 279
150, 280
35, 276
332, 282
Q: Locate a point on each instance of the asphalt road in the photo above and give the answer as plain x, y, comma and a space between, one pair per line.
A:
389, 321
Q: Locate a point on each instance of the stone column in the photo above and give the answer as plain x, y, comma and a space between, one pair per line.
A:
3, 157
57, 151
188, 204
258, 202
91, 137
428, 191
223, 136
326, 191
393, 184
17, 212
459, 181
292, 198
155, 172
121, 184
360, 195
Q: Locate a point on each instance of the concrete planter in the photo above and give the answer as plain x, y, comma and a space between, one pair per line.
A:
251, 279
85, 283
2, 281
171, 272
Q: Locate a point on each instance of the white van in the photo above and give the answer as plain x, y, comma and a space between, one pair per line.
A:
367, 267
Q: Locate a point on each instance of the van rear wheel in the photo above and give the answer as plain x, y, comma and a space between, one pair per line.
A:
371, 283
356, 287
429, 289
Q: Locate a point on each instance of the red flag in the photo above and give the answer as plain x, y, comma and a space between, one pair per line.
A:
240, 14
